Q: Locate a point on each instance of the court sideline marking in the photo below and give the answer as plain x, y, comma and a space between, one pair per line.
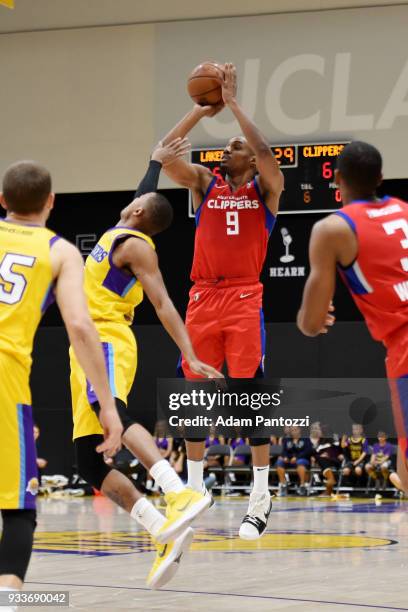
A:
266, 597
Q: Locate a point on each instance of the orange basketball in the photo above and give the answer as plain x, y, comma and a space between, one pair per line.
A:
204, 84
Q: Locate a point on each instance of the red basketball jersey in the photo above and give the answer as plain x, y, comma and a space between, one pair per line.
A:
232, 233
378, 278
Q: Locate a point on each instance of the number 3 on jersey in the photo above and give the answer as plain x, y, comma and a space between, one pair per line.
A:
16, 281
232, 223
391, 227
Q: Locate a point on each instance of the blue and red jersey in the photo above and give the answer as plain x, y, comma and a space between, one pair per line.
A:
232, 233
378, 277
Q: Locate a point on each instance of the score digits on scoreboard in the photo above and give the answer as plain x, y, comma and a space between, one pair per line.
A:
285, 154
308, 169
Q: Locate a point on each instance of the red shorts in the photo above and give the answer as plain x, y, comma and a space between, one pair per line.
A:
226, 324
397, 374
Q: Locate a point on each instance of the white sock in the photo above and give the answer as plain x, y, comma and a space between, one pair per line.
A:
195, 471
166, 477
8, 608
261, 477
3, 588
148, 516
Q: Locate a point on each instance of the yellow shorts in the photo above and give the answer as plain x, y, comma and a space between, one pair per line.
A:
120, 350
19, 473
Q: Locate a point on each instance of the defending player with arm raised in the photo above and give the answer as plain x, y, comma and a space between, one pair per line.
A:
366, 242
122, 265
234, 219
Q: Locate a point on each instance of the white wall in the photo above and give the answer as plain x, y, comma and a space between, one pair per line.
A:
79, 101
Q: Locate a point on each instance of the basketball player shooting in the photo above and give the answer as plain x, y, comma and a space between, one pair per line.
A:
234, 218
367, 242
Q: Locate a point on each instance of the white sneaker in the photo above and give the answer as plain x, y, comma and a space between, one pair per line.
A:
254, 523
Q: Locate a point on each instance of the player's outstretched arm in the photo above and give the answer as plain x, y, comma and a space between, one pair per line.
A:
68, 267
314, 316
163, 154
270, 174
142, 260
192, 176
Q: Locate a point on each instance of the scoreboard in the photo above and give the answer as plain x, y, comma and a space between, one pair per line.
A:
309, 174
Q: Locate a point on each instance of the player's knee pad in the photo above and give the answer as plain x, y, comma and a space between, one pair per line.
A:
16, 543
91, 466
258, 441
123, 413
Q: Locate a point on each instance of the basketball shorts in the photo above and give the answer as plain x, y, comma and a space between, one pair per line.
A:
397, 373
18, 474
226, 324
120, 351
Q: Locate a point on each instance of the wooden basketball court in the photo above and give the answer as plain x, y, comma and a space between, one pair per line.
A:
316, 556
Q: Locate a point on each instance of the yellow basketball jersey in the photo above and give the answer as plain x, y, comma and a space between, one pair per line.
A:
25, 285
112, 294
